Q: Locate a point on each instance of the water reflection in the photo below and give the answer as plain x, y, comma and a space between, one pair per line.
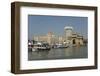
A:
64, 53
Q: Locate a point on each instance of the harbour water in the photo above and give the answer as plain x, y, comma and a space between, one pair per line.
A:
61, 53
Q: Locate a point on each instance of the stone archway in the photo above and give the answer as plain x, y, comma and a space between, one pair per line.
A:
73, 41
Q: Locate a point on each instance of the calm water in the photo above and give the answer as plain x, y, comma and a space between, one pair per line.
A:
64, 53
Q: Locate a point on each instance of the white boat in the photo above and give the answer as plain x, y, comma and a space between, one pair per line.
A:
40, 46
33, 49
60, 46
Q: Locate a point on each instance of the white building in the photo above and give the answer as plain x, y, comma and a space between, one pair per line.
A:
68, 32
70, 37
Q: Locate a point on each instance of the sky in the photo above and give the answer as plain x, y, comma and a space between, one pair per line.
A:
42, 24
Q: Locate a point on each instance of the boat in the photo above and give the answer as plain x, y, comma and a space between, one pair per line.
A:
59, 46
40, 46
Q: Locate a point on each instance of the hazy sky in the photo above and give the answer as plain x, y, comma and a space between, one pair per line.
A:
41, 24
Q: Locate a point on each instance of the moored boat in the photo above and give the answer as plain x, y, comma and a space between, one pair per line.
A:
41, 46
59, 46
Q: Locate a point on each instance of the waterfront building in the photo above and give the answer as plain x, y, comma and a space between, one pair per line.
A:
69, 37
68, 32
76, 39
49, 38
42, 38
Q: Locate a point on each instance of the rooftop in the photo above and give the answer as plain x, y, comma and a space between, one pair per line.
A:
68, 27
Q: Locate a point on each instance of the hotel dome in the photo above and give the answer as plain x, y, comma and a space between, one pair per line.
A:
68, 27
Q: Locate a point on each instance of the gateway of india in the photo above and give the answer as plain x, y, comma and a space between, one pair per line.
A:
69, 37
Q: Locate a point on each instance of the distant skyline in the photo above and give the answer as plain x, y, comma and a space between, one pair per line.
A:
42, 24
